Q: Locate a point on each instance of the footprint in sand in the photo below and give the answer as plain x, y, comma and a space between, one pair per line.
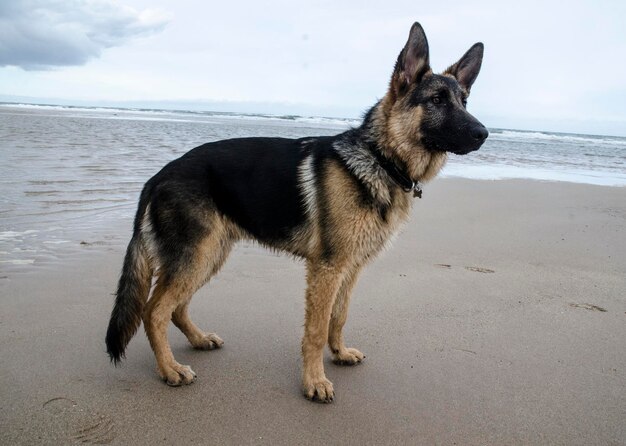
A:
79, 424
588, 307
479, 269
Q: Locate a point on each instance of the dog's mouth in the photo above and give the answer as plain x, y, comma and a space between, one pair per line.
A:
462, 142
468, 148
464, 151
436, 147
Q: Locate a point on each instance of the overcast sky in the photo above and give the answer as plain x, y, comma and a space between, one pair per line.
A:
547, 66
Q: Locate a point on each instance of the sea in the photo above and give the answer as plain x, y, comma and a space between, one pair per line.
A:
68, 173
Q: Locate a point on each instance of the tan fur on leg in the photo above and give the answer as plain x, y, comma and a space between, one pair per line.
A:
323, 284
196, 337
211, 254
156, 317
341, 354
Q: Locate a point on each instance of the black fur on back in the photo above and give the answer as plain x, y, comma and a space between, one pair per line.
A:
252, 181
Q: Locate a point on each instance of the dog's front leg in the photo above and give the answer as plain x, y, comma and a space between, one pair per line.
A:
343, 355
323, 282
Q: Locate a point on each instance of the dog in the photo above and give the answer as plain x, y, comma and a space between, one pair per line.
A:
334, 201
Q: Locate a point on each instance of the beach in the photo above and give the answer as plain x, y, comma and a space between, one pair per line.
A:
497, 317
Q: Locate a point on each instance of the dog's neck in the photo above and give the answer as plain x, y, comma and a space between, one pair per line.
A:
398, 174
384, 159
379, 132
360, 160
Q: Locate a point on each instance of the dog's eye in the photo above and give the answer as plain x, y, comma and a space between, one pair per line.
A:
436, 100
464, 102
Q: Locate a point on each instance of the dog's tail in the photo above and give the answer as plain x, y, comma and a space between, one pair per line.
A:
132, 293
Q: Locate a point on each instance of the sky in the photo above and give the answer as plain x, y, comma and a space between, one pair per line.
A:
550, 66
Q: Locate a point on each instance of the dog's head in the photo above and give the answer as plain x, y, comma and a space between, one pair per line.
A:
429, 110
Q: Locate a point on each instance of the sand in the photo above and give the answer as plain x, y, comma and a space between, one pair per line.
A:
498, 317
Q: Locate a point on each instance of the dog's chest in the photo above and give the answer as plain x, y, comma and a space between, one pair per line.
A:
375, 230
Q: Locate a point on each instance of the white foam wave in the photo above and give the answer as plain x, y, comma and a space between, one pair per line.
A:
11, 235
515, 134
185, 115
503, 172
18, 262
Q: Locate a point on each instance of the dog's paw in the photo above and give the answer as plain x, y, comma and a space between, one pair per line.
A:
209, 341
348, 356
176, 375
320, 390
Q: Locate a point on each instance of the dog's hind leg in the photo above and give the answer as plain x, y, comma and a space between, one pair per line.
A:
323, 283
341, 354
171, 297
168, 294
213, 253
197, 338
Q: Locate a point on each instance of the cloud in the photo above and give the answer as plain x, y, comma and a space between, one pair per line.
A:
41, 34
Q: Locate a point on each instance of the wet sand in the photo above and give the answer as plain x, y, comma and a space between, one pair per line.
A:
498, 317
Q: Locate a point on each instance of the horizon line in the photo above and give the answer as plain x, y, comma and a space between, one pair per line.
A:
82, 103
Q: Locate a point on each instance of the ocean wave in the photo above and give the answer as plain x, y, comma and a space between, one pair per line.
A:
505, 171
8, 235
150, 114
18, 261
65, 107
555, 137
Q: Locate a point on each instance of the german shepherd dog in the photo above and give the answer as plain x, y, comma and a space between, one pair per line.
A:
333, 201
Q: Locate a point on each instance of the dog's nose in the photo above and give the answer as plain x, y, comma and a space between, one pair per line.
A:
479, 132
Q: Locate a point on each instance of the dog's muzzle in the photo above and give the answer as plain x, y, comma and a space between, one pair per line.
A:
478, 134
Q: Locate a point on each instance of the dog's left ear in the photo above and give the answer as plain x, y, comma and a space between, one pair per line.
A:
467, 68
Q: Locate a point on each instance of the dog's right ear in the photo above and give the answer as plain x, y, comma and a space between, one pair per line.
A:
413, 60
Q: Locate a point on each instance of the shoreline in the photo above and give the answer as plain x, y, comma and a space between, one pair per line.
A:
109, 234
496, 317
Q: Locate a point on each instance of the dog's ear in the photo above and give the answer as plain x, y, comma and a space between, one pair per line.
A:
467, 68
413, 61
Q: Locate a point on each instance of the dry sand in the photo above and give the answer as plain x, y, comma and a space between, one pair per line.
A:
498, 317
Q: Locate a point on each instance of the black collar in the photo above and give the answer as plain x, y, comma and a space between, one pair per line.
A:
397, 174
